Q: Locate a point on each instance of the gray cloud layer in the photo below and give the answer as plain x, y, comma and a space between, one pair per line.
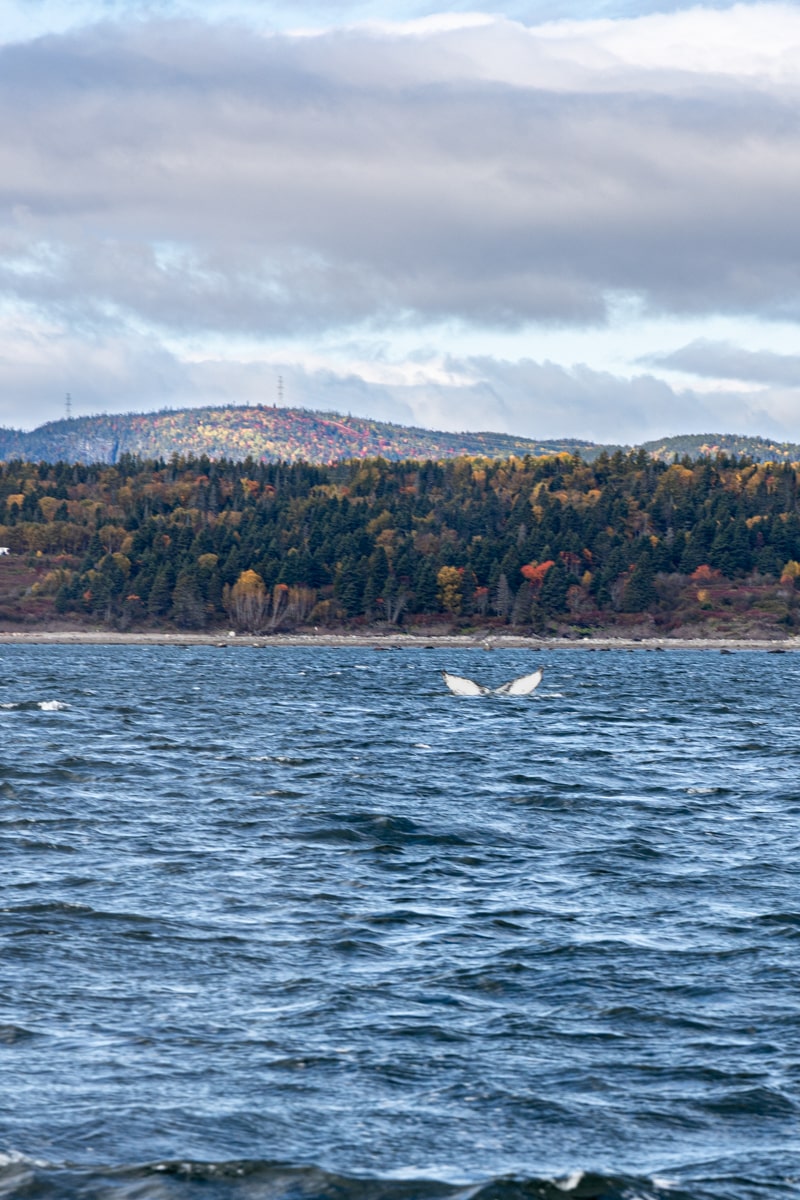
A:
192, 179
528, 398
723, 360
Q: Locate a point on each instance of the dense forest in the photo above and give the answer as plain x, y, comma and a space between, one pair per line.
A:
544, 544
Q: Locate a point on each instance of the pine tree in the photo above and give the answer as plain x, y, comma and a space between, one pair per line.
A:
188, 611
160, 599
349, 588
425, 587
521, 612
503, 597
639, 591
553, 594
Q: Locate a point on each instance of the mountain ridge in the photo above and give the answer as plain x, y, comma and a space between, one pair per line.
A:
273, 434
264, 433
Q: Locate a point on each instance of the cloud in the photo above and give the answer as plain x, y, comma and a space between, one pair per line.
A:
539, 400
723, 360
173, 176
546, 400
136, 373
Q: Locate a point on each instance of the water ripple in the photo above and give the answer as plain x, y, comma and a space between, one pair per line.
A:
303, 924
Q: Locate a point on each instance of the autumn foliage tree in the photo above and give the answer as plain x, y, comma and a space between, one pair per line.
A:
705, 574
450, 593
791, 573
248, 602
535, 573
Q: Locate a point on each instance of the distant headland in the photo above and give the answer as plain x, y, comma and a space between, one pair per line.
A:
270, 434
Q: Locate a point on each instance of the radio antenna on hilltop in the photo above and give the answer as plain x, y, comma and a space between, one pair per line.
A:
280, 390
68, 406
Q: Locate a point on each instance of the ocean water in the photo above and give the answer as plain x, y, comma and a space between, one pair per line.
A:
298, 923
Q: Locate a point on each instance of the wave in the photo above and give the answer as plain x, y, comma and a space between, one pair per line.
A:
249, 1179
22, 1177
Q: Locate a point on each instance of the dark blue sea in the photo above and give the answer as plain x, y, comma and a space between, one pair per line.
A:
295, 923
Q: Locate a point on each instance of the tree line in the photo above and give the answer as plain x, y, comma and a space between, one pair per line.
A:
523, 541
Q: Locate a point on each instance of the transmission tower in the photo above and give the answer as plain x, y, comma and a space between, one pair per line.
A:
280, 390
68, 406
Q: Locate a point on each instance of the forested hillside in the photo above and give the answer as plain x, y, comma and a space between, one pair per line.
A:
538, 543
270, 434
264, 433
705, 445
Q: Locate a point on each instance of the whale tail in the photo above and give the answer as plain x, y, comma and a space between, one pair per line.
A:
523, 685
460, 686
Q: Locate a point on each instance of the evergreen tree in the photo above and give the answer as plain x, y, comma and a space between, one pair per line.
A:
521, 612
159, 601
639, 591
188, 610
377, 574
503, 598
349, 587
426, 589
552, 597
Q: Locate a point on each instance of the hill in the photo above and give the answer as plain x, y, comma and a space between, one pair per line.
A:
262, 433
733, 445
269, 434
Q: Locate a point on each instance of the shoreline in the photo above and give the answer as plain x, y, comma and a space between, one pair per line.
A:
393, 641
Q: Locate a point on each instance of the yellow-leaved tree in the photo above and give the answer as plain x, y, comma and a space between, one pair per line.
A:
248, 602
450, 595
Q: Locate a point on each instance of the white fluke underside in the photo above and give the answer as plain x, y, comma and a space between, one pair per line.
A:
523, 685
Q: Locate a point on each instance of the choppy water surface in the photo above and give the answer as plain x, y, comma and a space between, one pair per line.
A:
299, 923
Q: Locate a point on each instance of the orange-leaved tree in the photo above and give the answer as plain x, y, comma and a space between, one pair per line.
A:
535, 572
705, 574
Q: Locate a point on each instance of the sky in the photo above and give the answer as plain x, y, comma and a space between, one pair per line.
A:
539, 217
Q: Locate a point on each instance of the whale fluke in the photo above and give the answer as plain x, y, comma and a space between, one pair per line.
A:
523, 685
460, 686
